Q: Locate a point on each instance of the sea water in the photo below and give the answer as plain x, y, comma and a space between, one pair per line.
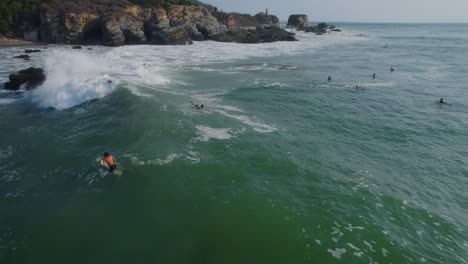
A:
282, 166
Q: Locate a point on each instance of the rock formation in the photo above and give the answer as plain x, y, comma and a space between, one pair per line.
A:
299, 22
27, 79
173, 25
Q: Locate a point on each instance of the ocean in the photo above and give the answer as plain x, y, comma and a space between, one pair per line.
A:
282, 166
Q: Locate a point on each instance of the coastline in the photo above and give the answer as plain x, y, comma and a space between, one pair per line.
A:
10, 43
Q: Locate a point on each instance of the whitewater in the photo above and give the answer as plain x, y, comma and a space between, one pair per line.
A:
282, 166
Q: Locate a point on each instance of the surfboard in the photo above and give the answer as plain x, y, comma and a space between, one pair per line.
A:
438, 102
106, 166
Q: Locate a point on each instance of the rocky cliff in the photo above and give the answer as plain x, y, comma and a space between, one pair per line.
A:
128, 24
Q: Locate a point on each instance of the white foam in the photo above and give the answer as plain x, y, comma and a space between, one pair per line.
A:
258, 126
72, 78
337, 252
206, 133
5, 101
170, 158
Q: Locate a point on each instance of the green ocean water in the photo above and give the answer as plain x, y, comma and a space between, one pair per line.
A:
281, 167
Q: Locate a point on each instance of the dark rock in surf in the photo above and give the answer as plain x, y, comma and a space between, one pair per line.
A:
258, 35
76, 47
300, 22
31, 51
28, 79
26, 57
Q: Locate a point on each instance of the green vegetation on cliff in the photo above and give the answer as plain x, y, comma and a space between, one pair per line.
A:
14, 12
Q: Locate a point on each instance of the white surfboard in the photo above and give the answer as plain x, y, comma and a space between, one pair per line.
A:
106, 166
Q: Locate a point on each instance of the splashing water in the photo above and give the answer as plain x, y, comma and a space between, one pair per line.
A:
72, 78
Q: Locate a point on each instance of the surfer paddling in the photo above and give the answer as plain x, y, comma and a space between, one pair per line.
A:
198, 107
442, 101
110, 161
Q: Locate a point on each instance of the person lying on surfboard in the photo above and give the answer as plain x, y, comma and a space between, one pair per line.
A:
442, 101
198, 107
110, 161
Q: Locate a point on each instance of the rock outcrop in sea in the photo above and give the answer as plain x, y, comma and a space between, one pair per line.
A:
301, 23
26, 79
131, 24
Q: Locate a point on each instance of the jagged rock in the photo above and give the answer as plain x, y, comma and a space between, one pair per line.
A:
299, 22
162, 33
31, 51
265, 19
26, 57
78, 25
235, 21
311, 29
122, 23
76, 47
258, 35
112, 35
198, 21
29, 78
180, 24
51, 29
273, 34
239, 36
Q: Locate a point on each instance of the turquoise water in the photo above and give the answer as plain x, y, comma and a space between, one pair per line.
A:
281, 167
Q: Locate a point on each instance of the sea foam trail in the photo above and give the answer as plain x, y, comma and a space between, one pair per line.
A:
72, 78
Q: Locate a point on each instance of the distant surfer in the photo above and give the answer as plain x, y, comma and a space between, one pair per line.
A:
386, 45
442, 101
109, 162
329, 78
373, 76
198, 107
109, 82
391, 69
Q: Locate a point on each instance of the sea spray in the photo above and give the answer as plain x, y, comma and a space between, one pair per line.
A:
72, 78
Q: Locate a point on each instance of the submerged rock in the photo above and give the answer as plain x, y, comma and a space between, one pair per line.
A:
31, 51
76, 47
29, 78
26, 57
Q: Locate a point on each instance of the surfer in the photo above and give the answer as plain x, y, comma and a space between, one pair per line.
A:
442, 101
391, 69
373, 76
198, 107
110, 161
386, 45
109, 81
329, 78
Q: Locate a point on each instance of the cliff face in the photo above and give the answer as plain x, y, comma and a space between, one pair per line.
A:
132, 24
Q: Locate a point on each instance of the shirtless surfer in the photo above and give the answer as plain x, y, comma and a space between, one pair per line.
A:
110, 161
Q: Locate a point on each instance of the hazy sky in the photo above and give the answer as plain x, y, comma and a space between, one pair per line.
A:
355, 10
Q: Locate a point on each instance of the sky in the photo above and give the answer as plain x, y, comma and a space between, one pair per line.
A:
405, 11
